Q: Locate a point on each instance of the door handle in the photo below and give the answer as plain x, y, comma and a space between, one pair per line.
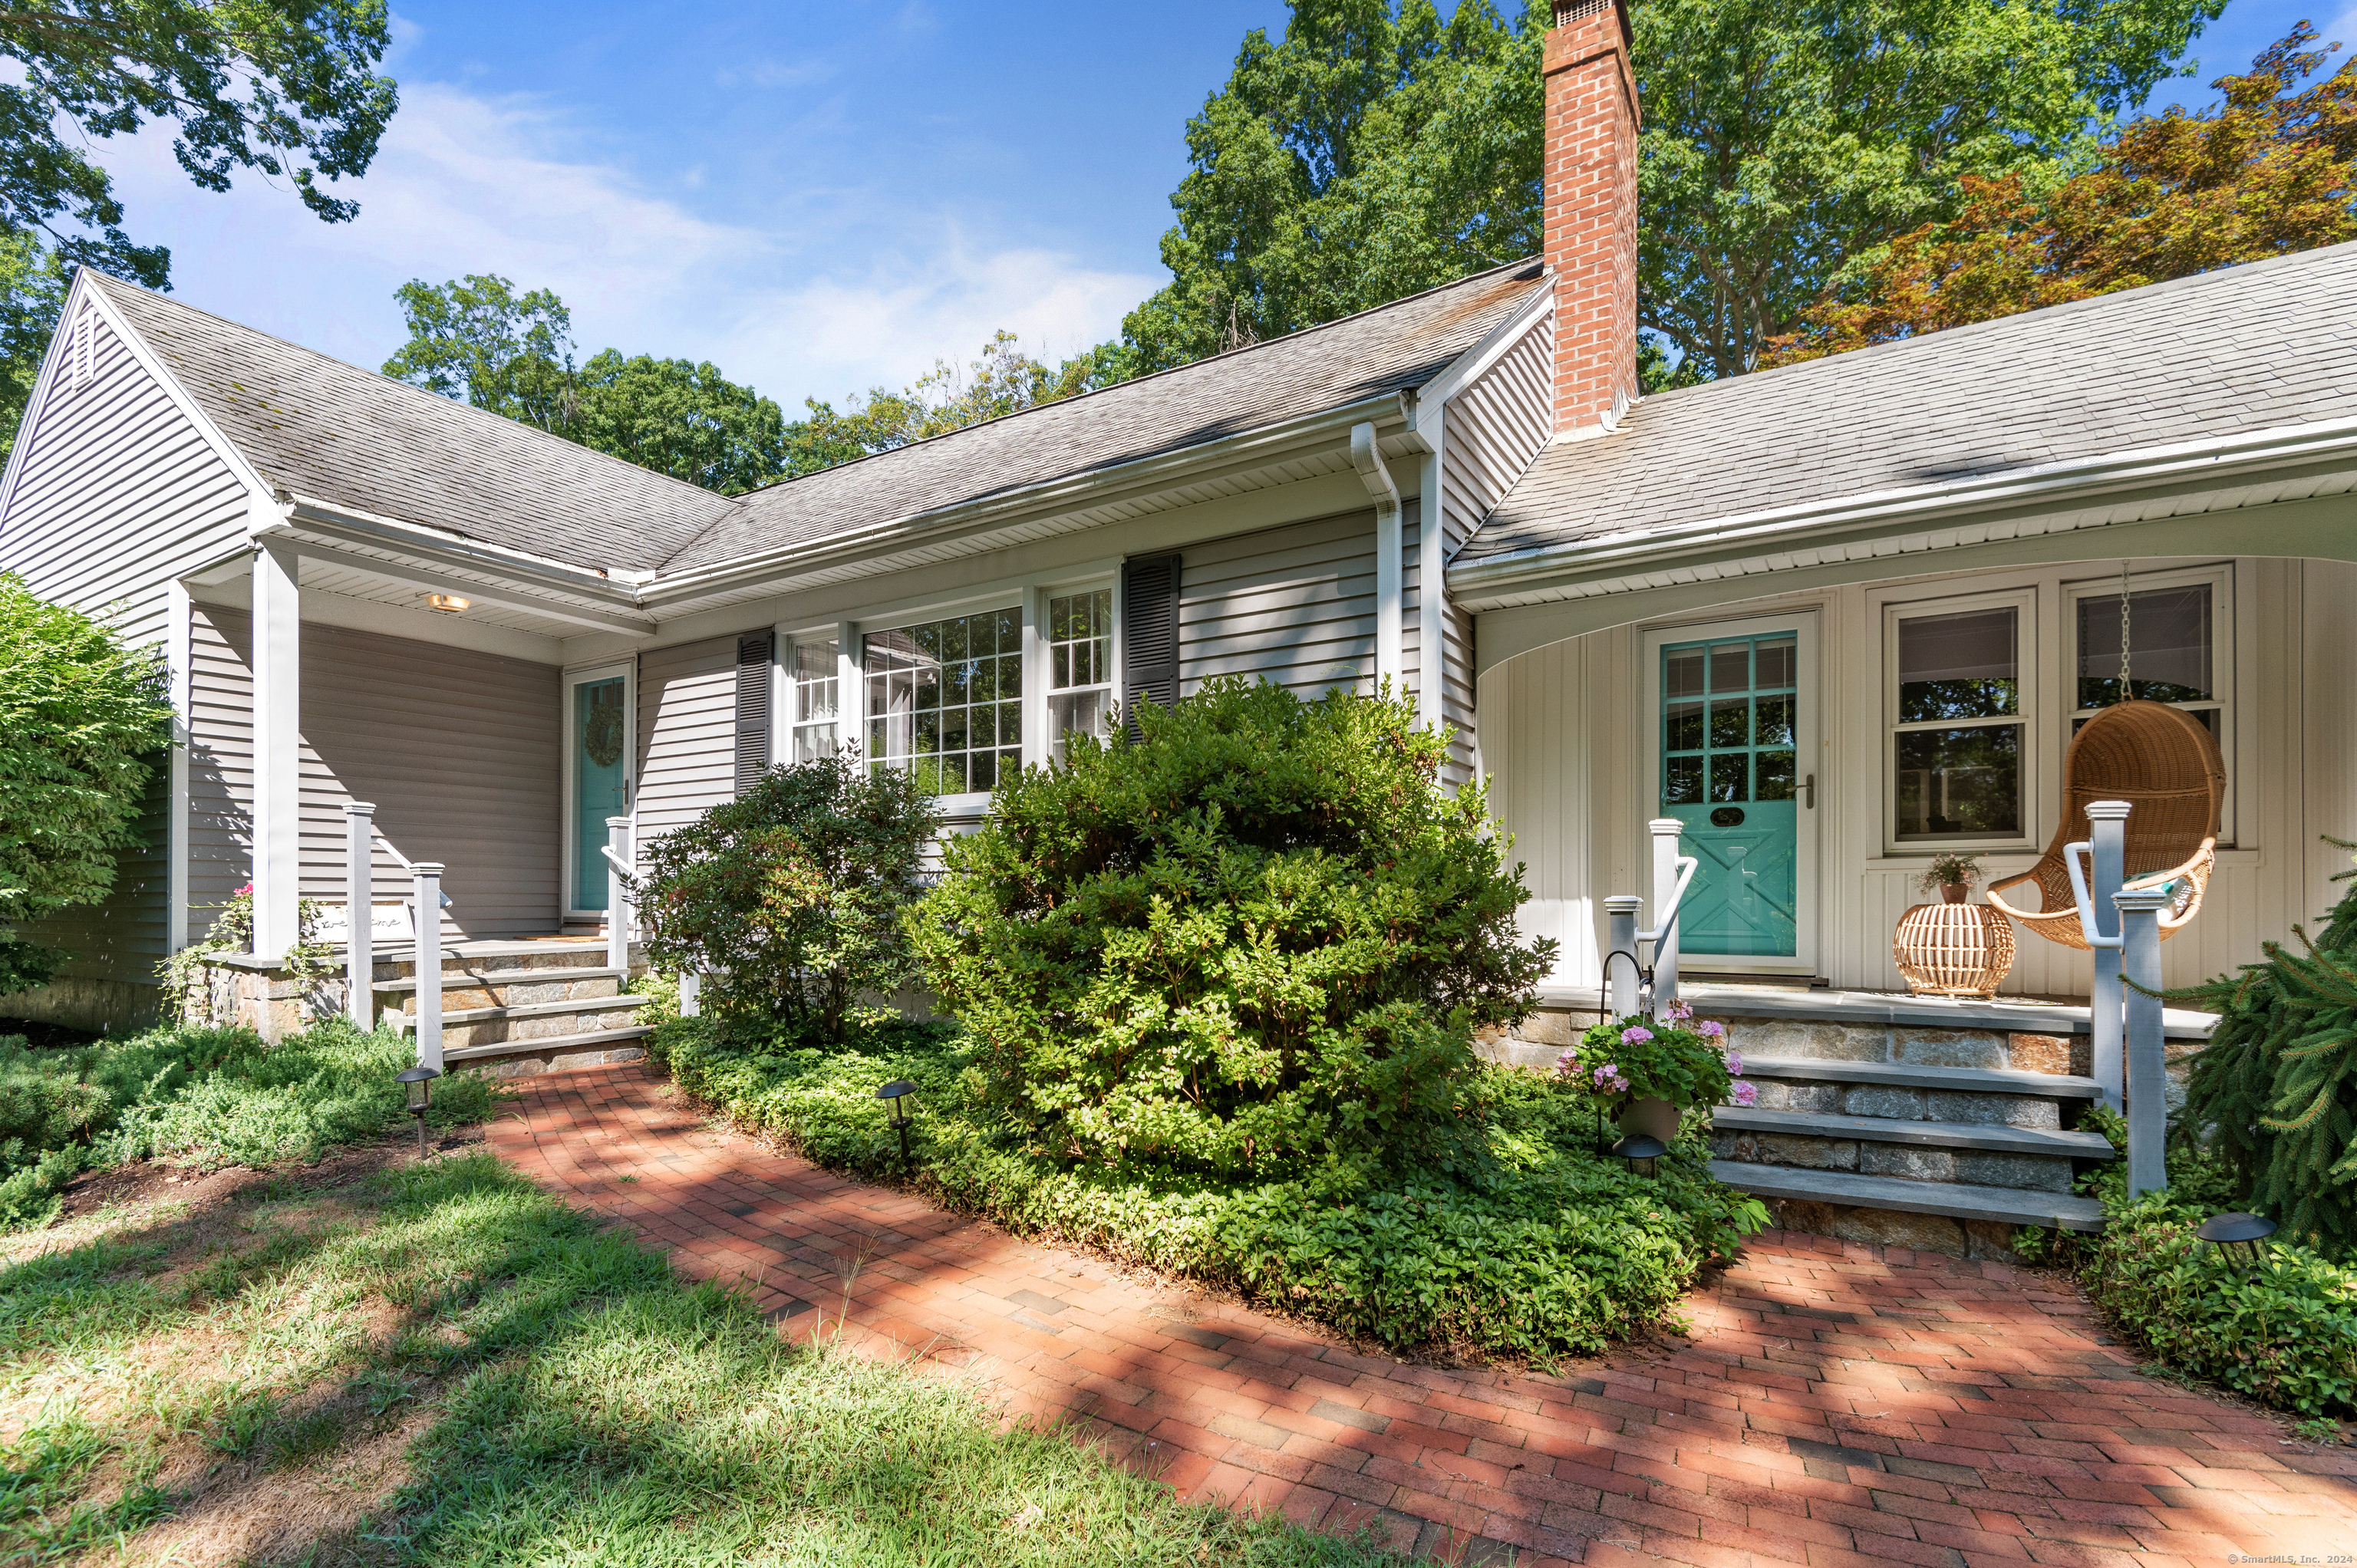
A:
1809, 791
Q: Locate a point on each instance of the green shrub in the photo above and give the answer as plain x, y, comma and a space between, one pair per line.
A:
2276, 1087
1259, 938
205, 1097
81, 718
789, 897
1524, 1241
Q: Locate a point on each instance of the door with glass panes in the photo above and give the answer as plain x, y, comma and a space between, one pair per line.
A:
1732, 738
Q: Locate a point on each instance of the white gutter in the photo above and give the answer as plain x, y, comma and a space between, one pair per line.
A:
1784, 528
1390, 571
1060, 494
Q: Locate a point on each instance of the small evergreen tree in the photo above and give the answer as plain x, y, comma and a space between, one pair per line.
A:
1259, 938
789, 897
82, 718
2277, 1083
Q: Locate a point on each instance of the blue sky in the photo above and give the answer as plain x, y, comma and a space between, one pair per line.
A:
816, 197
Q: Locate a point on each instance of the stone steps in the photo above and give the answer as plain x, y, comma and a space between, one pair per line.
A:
1992, 1137
511, 1008
1952, 1201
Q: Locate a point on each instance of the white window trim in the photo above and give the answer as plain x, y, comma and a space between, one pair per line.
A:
2028, 687
1101, 582
785, 675
2219, 577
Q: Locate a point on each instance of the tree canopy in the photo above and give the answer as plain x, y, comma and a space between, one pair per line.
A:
2270, 169
1376, 150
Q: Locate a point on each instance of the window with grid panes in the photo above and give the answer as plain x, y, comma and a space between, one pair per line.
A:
1080, 666
1728, 720
945, 699
813, 715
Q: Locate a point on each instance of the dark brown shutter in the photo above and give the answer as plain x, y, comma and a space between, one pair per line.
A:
1149, 632
753, 674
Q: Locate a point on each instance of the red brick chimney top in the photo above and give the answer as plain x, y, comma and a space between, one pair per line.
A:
1591, 212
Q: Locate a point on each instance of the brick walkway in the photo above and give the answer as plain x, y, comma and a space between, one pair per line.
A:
1836, 1404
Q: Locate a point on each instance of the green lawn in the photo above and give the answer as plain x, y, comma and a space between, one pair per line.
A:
442, 1364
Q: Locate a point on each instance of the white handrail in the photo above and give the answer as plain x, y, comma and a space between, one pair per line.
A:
1668, 916
2086, 900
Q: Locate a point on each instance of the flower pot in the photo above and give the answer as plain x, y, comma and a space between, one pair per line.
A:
1955, 892
1654, 1117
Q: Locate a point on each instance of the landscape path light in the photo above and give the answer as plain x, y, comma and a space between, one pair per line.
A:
2240, 1237
1640, 1150
418, 1083
891, 1094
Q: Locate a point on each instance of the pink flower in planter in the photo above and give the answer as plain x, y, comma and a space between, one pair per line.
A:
1609, 1077
1710, 1028
1744, 1094
1735, 1063
1637, 1035
1568, 1062
244, 890
1678, 1011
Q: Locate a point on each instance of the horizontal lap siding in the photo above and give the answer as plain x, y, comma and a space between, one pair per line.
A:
459, 751
118, 494
1495, 429
687, 732
1295, 605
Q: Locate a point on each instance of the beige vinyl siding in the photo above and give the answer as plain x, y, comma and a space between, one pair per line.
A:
457, 749
1494, 430
1294, 604
1567, 743
118, 493
687, 732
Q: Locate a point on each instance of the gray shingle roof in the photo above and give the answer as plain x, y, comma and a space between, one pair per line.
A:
322, 428
2270, 343
1395, 346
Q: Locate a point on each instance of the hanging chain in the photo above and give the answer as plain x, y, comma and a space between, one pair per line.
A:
2125, 693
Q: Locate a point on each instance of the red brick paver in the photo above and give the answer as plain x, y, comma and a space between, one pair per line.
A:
1836, 1404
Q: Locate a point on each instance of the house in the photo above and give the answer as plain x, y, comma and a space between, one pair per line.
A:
1461, 493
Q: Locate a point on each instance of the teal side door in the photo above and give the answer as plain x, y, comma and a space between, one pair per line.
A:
1730, 766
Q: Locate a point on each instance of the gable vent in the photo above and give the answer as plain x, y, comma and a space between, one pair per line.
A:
1149, 632
753, 668
85, 345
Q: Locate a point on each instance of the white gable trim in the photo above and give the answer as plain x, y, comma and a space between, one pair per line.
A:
1477, 361
59, 361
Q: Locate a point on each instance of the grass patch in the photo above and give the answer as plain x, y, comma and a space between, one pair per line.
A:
446, 1366
1527, 1242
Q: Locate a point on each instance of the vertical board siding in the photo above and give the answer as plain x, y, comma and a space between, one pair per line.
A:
1295, 605
687, 732
1494, 430
1566, 744
118, 494
459, 750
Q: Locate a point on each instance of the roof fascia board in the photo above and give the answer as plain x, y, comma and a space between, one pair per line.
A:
312, 512
1786, 527
1477, 361
1162, 470
53, 363
468, 577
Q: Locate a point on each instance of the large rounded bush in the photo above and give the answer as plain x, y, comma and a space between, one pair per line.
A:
1260, 936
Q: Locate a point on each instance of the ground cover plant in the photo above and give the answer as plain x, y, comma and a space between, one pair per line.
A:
201, 1097
439, 1363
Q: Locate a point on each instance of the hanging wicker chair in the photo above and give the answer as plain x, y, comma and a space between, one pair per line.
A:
2165, 764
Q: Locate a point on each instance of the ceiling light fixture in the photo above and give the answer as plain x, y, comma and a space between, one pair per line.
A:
448, 604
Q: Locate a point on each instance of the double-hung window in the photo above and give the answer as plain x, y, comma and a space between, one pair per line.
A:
1959, 731
1079, 642
2171, 653
811, 717
945, 699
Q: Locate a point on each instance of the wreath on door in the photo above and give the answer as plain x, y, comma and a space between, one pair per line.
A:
604, 740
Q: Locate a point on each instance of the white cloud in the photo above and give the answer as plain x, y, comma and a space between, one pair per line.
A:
835, 291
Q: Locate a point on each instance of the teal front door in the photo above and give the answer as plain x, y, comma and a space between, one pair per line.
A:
1730, 731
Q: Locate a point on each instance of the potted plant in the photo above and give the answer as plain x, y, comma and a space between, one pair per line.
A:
1650, 1071
1953, 874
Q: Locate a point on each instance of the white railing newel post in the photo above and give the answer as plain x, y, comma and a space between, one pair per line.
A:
360, 904
1665, 832
2146, 1045
426, 887
2109, 820
617, 907
1620, 974
690, 993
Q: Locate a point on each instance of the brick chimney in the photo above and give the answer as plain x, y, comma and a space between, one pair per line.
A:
1591, 212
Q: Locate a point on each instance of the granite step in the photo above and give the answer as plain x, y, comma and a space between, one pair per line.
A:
1994, 1137
465, 1016
1907, 1074
466, 980
598, 1048
1951, 1200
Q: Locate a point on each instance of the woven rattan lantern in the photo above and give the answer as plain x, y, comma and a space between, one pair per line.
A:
1953, 949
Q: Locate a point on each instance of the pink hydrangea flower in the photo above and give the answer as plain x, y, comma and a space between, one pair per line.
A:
1636, 1036
1710, 1028
1744, 1094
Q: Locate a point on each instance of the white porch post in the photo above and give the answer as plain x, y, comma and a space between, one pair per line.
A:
2109, 820
1665, 832
359, 902
2148, 1050
426, 886
276, 660
617, 894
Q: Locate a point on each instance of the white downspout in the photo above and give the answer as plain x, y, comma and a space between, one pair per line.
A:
1431, 586
1391, 653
